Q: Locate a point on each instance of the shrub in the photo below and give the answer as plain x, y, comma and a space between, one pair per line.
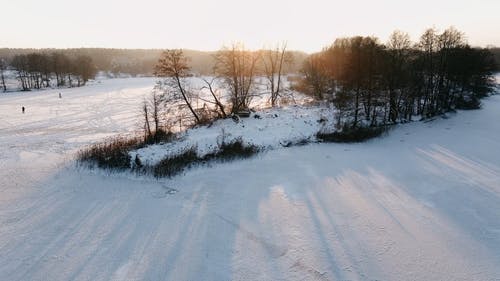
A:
176, 164
468, 102
114, 153
173, 165
359, 134
111, 154
159, 136
232, 150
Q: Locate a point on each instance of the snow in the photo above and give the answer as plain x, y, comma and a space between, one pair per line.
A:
422, 203
268, 129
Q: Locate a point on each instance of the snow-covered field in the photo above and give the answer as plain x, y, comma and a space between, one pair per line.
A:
420, 204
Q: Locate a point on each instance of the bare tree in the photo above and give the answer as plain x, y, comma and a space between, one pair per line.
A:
398, 52
236, 66
173, 66
155, 106
84, 69
428, 45
147, 125
152, 112
3, 66
315, 71
216, 101
20, 64
57, 61
273, 61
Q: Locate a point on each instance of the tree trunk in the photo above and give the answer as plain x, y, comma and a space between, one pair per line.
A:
177, 79
3, 81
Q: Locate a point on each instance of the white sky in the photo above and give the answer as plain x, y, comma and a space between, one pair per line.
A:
207, 25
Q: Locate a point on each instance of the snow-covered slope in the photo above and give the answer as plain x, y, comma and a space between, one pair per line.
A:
420, 204
267, 129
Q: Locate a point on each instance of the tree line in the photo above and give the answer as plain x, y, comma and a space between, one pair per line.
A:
136, 62
42, 70
372, 84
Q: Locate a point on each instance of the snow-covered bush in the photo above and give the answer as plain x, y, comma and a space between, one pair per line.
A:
358, 134
111, 154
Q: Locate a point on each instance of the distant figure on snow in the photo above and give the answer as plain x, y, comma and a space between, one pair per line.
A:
23, 109
60, 95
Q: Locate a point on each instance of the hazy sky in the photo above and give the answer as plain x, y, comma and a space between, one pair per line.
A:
207, 25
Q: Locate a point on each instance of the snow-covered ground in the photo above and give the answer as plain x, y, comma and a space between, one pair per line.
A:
420, 204
268, 129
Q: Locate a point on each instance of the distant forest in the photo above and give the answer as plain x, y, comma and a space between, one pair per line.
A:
138, 61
